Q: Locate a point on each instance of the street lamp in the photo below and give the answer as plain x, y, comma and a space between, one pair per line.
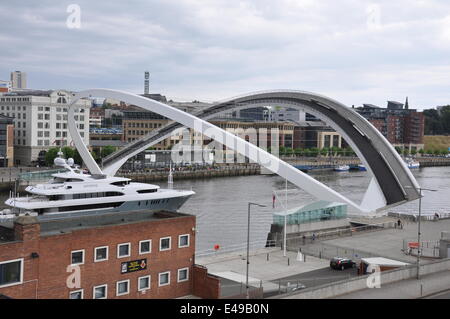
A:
248, 244
420, 189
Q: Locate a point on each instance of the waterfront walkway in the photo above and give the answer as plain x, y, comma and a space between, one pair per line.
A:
267, 266
405, 289
388, 243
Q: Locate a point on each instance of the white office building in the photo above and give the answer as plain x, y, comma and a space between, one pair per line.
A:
40, 122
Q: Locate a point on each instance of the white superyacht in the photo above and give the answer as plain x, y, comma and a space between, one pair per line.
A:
75, 193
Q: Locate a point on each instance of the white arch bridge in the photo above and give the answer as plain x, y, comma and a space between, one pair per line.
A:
392, 182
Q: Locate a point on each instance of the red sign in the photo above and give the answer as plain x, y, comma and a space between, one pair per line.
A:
413, 245
216, 247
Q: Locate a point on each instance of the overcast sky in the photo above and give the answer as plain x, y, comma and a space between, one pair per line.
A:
354, 51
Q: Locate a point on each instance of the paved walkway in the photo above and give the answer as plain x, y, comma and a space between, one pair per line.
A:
384, 243
232, 266
405, 289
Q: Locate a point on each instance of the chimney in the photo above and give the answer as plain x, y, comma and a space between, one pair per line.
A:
26, 228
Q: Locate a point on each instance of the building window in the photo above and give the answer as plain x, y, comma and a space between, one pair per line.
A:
77, 294
101, 254
164, 243
123, 250
100, 292
11, 272
78, 257
145, 247
183, 241
183, 274
144, 283
164, 278
123, 287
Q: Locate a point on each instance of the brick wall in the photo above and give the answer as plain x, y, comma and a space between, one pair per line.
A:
205, 286
45, 276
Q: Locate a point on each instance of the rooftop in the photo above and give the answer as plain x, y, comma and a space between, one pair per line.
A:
67, 225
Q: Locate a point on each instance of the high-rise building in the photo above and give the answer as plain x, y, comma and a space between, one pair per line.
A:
18, 80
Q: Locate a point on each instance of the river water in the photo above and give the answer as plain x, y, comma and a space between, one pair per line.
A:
220, 204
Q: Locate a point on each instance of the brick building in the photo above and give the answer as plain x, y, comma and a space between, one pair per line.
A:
130, 255
402, 126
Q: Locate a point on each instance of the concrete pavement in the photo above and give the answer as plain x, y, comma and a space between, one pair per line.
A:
406, 289
383, 243
266, 267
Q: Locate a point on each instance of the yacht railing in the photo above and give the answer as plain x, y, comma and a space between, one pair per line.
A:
40, 175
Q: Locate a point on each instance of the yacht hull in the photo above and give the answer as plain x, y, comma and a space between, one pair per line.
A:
172, 206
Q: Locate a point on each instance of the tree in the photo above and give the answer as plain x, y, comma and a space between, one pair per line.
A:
51, 155
314, 151
437, 122
289, 151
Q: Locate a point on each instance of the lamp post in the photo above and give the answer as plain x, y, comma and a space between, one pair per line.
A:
248, 245
420, 189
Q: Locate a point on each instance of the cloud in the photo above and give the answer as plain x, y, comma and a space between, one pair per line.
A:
355, 51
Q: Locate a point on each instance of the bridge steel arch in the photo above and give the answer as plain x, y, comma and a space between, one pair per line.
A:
392, 182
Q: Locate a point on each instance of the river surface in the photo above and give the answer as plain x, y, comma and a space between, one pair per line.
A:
221, 204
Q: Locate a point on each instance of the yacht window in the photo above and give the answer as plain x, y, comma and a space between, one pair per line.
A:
121, 183
144, 191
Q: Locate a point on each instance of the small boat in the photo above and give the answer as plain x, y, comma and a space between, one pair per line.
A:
412, 164
342, 168
362, 167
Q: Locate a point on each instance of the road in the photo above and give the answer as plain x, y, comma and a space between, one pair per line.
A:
312, 278
440, 295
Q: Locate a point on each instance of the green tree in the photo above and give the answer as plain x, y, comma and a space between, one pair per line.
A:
307, 152
314, 151
289, 151
51, 155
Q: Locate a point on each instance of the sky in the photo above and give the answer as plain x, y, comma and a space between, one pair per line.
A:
354, 51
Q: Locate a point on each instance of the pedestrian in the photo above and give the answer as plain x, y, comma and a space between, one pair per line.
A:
304, 239
313, 236
399, 223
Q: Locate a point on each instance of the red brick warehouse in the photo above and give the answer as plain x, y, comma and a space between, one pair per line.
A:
128, 255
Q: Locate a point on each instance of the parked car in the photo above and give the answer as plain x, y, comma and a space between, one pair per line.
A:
341, 263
